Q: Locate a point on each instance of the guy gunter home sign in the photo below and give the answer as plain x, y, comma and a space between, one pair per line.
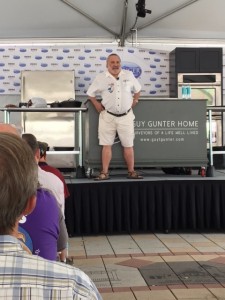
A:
171, 133
168, 133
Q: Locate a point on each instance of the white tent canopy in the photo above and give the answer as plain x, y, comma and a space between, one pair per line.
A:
112, 20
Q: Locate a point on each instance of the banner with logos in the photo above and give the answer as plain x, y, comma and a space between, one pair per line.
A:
150, 67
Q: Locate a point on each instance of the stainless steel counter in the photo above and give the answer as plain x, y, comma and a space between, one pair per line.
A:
42, 121
8, 110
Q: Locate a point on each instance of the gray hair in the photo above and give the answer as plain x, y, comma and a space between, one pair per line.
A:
31, 141
18, 179
110, 55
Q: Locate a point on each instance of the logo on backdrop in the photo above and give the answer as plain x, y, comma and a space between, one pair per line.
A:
134, 68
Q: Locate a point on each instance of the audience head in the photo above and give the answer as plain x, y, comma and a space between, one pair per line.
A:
9, 128
33, 143
43, 148
18, 180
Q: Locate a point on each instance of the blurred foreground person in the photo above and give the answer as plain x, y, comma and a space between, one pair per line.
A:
41, 229
25, 276
53, 184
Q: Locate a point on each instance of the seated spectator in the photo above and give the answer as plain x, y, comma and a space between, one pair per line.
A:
42, 225
46, 167
41, 230
47, 180
52, 183
23, 275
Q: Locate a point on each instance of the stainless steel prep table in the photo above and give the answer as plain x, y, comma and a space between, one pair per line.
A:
78, 130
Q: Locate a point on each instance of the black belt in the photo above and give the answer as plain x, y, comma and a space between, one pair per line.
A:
119, 115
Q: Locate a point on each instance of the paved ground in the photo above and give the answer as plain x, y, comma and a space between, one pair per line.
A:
153, 266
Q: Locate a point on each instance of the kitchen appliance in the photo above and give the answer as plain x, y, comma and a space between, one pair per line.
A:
70, 103
205, 86
66, 103
63, 148
49, 85
55, 128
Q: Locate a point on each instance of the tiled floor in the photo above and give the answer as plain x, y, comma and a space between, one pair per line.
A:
153, 266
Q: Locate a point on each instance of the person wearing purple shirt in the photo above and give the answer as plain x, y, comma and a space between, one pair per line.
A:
42, 226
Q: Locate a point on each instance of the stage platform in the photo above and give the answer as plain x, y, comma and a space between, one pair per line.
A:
158, 203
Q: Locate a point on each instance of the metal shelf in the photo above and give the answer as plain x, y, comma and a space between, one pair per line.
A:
79, 111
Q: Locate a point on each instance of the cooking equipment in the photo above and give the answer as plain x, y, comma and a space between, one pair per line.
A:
70, 103
56, 127
55, 104
66, 103
63, 148
205, 86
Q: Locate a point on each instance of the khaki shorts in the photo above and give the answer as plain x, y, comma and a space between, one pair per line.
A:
109, 126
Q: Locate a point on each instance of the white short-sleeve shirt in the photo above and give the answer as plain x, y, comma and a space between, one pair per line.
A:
116, 94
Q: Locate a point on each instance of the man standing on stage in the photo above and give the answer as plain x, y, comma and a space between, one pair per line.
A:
120, 92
